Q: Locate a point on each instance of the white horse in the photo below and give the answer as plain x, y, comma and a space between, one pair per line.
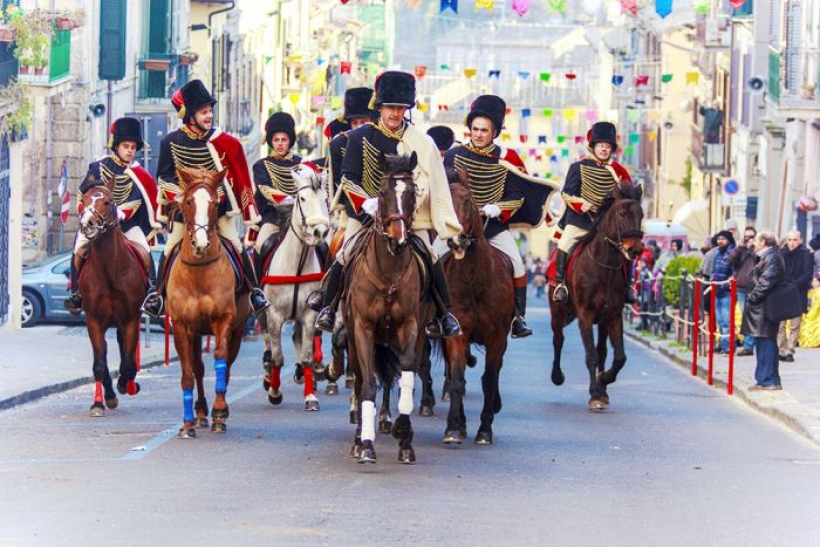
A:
293, 273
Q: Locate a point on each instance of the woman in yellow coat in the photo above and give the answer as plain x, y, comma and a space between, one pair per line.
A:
810, 327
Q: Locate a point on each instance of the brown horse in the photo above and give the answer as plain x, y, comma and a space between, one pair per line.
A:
597, 284
112, 282
383, 311
203, 298
481, 286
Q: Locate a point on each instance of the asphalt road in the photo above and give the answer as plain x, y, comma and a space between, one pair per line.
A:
673, 462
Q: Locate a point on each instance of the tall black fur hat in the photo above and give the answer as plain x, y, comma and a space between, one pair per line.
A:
489, 106
335, 127
193, 96
394, 87
280, 121
603, 132
357, 103
126, 129
443, 136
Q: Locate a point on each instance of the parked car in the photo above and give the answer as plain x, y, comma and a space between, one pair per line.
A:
45, 287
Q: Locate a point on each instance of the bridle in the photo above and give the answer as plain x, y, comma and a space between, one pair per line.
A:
104, 222
618, 244
404, 218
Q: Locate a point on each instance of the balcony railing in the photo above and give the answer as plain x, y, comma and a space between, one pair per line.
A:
58, 69
708, 140
794, 77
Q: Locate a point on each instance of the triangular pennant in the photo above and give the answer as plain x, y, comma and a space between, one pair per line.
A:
494, 74
545, 77
470, 72
484, 4
663, 8
666, 78
451, 4
521, 7
617, 80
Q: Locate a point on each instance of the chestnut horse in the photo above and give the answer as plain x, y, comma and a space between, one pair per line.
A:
383, 310
597, 284
203, 298
112, 282
481, 287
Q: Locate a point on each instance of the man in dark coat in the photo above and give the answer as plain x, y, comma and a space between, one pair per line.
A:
799, 265
743, 260
769, 272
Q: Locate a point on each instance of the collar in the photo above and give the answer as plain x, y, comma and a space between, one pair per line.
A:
397, 135
194, 134
285, 157
116, 159
486, 151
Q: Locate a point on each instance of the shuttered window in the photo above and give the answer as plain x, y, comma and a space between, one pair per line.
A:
112, 40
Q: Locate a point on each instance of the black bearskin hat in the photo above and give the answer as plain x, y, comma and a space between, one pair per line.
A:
357, 103
190, 98
393, 87
603, 132
280, 121
126, 129
489, 106
335, 127
443, 136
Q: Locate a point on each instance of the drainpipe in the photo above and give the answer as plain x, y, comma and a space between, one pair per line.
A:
215, 63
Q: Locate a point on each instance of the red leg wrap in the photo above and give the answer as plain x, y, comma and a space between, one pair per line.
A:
98, 392
275, 378
308, 372
317, 349
131, 387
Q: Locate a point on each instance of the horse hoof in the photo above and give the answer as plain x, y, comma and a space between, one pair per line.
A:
266, 383
186, 432
367, 455
354, 419
218, 427
132, 388
312, 406
298, 375
426, 411
385, 426
200, 422
97, 410
332, 388
484, 438
349, 383
557, 377
407, 455
445, 396
319, 372
275, 398
355, 451
597, 405
452, 437
605, 399
112, 403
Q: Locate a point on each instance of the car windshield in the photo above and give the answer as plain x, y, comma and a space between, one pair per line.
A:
53, 259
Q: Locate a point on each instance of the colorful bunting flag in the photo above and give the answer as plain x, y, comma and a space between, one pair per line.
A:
494, 74
547, 112
666, 78
617, 80
634, 138
663, 8
526, 112
629, 6
579, 139
652, 135
592, 115
542, 139
629, 150
643, 79
424, 107
565, 153
335, 103
633, 116
522, 138
320, 121
506, 137
413, 4
521, 7
571, 75
557, 6
523, 74
702, 7
560, 139
294, 98
569, 114
737, 4
484, 4
452, 4
344, 67
692, 77
470, 72
445, 67
545, 77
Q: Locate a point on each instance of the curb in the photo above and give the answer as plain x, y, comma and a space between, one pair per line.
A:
741, 394
45, 391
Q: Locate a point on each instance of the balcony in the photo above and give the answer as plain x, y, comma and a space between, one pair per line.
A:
58, 70
792, 93
713, 32
708, 141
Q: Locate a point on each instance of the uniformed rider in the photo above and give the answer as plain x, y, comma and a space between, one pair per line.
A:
135, 193
199, 144
394, 95
587, 183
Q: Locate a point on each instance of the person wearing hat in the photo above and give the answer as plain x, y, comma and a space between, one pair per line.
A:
394, 94
503, 191
587, 183
332, 129
722, 272
199, 144
135, 193
443, 136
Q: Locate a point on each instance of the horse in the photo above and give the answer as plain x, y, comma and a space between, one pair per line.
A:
204, 296
597, 283
480, 281
112, 282
384, 312
293, 273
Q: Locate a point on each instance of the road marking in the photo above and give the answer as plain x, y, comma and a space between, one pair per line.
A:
159, 439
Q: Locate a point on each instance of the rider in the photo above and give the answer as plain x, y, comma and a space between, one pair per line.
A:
135, 193
395, 93
497, 181
443, 136
587, 184
198, 144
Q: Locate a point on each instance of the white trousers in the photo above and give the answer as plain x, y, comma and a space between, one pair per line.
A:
570, 235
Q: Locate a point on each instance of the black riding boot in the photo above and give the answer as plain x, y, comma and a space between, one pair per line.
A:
327, 316
520, 329
74, 303
153, 304
560, 294
315, 300
631, 296
445, 325
258, 300
260, 257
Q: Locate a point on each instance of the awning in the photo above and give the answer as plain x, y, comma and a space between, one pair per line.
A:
694, 215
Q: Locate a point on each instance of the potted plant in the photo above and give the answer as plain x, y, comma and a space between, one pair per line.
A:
187, 58
16, 101
33, 31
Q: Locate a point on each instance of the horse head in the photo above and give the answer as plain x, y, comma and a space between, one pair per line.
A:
621, 219
198, 202
310, 219
397, 199
99, 210
466, 211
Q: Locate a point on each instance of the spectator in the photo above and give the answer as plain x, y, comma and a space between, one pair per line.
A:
769, 272
722, 271
799, 266
810, 327
675, 247
743, 260
648, 253
709, 252
815, 247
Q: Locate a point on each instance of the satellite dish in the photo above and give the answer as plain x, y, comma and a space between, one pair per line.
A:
756, 85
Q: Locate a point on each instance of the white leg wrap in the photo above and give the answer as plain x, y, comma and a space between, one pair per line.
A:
406, 384
368, 421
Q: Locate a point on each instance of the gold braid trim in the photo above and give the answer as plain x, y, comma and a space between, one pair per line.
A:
270, 193
193, 134
122, 184
281, 178
116, 159
192, 158
596, 183
371, 173
486, 151
486, 179
397, 135
130, 206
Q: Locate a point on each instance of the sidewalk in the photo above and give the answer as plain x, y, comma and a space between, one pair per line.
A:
797, 405
48, 359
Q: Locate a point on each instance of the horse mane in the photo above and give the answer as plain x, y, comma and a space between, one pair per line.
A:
285, 211
627, 192
397, 163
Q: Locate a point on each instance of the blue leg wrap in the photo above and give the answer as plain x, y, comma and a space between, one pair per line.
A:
221, 369
188, 405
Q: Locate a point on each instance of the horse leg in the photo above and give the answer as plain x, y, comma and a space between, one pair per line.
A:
267, 363
557, 324
102, 377
588, 337
601, 347
184, 343
365, 386
276, 360
428, 397
403, 428
306, 354
455, 359
201, 403
219, 410
128, 338
616, 335
493, 361
385, 423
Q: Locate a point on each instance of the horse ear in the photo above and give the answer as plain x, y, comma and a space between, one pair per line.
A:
382, 162
110, 183
217, 179
414, 161
184, 177
639, 192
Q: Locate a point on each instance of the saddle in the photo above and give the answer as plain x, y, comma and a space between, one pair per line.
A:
141, 255
573, 254
233, 257
271, 245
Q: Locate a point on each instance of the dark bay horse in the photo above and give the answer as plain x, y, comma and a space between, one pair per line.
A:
597, 287
481, 287
203, 298
112, 282
383, 310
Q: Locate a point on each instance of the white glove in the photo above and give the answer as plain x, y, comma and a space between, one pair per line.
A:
491, 210
120, 214
371, 206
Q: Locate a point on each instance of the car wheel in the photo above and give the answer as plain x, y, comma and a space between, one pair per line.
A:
32, 309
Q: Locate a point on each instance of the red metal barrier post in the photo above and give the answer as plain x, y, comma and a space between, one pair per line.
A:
732, 303
712, 325
695, 327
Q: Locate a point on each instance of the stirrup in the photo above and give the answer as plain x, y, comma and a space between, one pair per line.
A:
519, 328
326, 319
153, 305
560, 294
259, 301
314, 300
433, 328
74, 304
450, 327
